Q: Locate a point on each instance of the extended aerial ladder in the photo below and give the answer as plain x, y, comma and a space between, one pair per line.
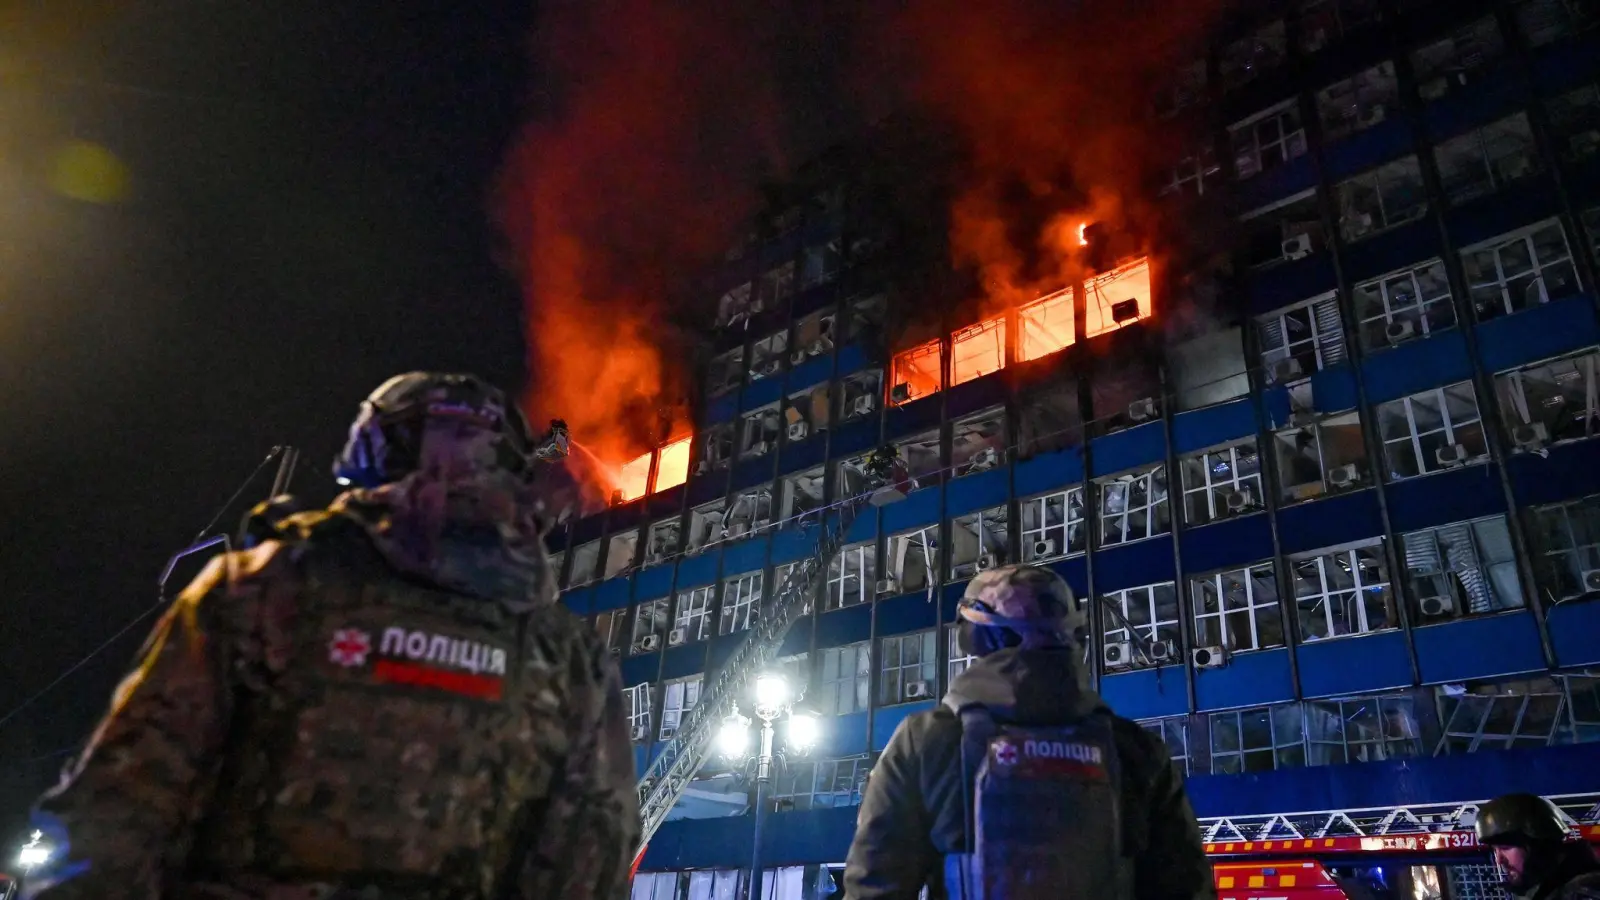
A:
670, 773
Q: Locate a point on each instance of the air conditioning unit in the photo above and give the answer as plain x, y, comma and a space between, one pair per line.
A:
1118, 653
900, 393
1436, 606
739, 528
1044, 548
1208, 657
1450, 455
798, 431
1286, 370
1297, 247
1160, 650
864, 405
639, 733
1344, 476
677, 637
918, 690
1239, 501
987, 561
1531, 436
797, 357
887, 586
986, 459
1400, 330
649, 643
1142, 410
1591, 580
757, 449
616, 651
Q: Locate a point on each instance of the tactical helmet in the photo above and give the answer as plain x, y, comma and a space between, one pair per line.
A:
1520, 820
1020, 606
386, 438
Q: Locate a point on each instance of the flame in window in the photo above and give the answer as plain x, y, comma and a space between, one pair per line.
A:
1046, 325
919, 370
672, 465
1105, 293
634, 478
978, 350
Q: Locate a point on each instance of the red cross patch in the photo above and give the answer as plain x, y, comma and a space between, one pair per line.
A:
349, 647
1005, 753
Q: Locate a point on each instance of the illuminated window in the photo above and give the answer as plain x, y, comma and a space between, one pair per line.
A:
918, 372
977, 350
633, 478
672, 467
1107, 308
1046, 325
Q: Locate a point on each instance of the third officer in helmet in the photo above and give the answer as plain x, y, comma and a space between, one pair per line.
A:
1529, 840
1022, 784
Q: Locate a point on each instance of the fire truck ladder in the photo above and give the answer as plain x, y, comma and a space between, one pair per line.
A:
669, 774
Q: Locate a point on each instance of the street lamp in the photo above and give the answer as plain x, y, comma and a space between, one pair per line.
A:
773, 701
34, 853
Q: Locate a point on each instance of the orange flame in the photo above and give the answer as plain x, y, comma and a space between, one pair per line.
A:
1083, 239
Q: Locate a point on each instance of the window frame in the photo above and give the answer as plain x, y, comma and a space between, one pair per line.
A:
893, 667
748, 589
1045, 531
860, 681
690, 605
1318, 603
1263, 616
1212, 488
1404, 409
1156, 510
1505, 303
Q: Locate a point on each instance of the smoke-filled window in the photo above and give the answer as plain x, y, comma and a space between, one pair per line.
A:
1047, 325
1208, 369
802, 493
918, 372
1413, 302
978, 541
734, 307
1547, 21
672, 464
1053, 525
1520, 270
725, 372
1222, 482
1142, 627
1286, 230
620, 552
766, 355
1552, 401
585, 564
813, 337
978, 442
806, 413
1048, 418
1487, 159
865, 318
1575, 122
1461, 569
858, 395
1343, 591
664, 542
820, 263
912, 563
1134, 506
978, 350
1323, 22
760, 432
1257, 53
1358, 102
1382, 198
1267, 140
1450, 62
1321, 456
1301, 340
1432, 431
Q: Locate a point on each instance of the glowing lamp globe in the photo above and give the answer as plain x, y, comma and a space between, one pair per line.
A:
772, 691
734, 738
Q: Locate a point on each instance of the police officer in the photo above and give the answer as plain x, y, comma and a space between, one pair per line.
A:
382, 699
1023, 784
1529, 840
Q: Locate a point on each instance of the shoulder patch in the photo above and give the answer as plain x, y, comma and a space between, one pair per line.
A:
419, 659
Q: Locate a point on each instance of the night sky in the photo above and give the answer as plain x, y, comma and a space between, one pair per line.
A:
309, 187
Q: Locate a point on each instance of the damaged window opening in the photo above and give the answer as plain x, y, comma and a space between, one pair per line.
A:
821, 263
1152, 614
1267, 140
866, 318
692, 623
913, 561
585, 564
1053, 525
852, 576
672, 465
632, 479
1520, 270
639, 704
716, 451
815, 784
1109, 295
918, 373
1387, 196
1191, 173
978, 442
1187, 87
760, 432
1361, 729
678, 697
741, 596
1284, 231
1321, 457
620, 552
978, 541
1413, 302
956, 661
1324, 21
1253, 55
1548, 21
1432, 431
851, 478
802, 494
1221, 483
1208, 369
1358, 102
1047, 325
612, 627
1566, 539
1575, 122
734, 307
1174, 733
910, 667
922, 459
1501, 716
806, 413
859, 395
845, 685
766, 355
813, 337
1481, 162
1449, 63
1551, 402
649, 626
726, 372
1301, 340
751, 511
1343, 591
1257, 740
780, 578
1236, 611
977, 350
777, 285
1463, 569
1133, 506
705, 525
1048, 419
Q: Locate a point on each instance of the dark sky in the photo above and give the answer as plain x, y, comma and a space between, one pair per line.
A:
307, 218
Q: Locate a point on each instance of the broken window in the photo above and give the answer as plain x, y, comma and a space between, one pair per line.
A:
734, 307
1186, 87
1358, 102
978, 442
639, 702
664, 542
852, 576
776, 287
978, 541
726, 372
858, 395
1220, 483
921, 455
760, 432
846, 683
716, 450
620, 552
1257, 740
806, 413
766, 355
1547, 21
1209, 369
1189, 175
1504, 716
1117, 298
1382, 198
1520, 270
1324, 21
1449, 63
1575, 122
1251, 56
1321, 456
1267, 139
813, 337
1432, 431
1053, 525
1133, 506
751, 511
1566, 539
1236, 611
612, 626
1048, 418
1286, 230
693, 620
1141, 626
1174, 733
851, 478
1483, 161
821, 263
1343, 591
913, 561
585, 564
1362, 729
910, 667
678, 697
705, 525
1414, 302
1302, 339
1047, 325
802, 494
978, 350
781, 588
741, 597
1466, 568
918, 372
649, 625
1552, 401
866, 318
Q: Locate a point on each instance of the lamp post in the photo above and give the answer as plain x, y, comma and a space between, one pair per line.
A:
773, 701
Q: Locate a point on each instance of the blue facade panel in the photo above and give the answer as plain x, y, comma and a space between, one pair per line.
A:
681, 662
722, 408
1367, 149
1478, 648
698, 570
844, 735
906, 613
1291, 282
1397, 248
1573, 627
1129, 449
1134, 565
1570, 471
980, 491
1351, 665
757, 394
790, 544
1330, 521
920, 507
1249, 679
1147, 693
1538, 333
852, 358
655, 581
1524, 203
641, 668
1457, 495
1497, 92
1226, 544
613, 593
1049, 471
1418, 365
579, 600
1203, 428
888, 718
812, 372
744, 556
801, 455
911, 418
844, 626
854, 438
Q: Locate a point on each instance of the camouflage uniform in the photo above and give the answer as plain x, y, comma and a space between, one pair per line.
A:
382, 700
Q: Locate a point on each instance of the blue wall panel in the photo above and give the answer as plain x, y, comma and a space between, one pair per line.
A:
722, 646
1538, 333
844, 735
744, 556
1564, 64
1396, 248
1496, 91
914, 417
1147, 693
887, 719
854, 438
1076, 571
754, 472
790, 838
801, 455
1049, 471
906, 613
811, 372
757, 394
798, 640
851, 358
1414, 366
579, 600
1222, 545
792, 543
613, 593
1575, 631
976, 395
1134, 565
1137, 446
708, 487
1290, 282
1277, 183
1478, 647
655, 581
985, 489
844, 626
1570, 471
588, 528
1366, 148
1526, 202
699, 569
625, 516
920, 507
864, 528
680, 662
722, 408
641, 668
1249, 679
1354, 664
1329, 521
949, 597
1334, 389
1202, 428
1452, 496
665, 503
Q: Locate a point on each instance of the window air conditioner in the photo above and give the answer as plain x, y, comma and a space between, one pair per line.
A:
1400, 330
1286, 370
1118, 653
1160, 650
985, 459
987, 561
1344, 476
917, 690
639, 733
677, 637
1239, 501
1297, 247
900, 393
1046, 547
649, 643
865, 404
887, 586
1530, 436
1142, 410
1208, 657
1591, 580
738, 528
1436, 606
797, 431
1450, 455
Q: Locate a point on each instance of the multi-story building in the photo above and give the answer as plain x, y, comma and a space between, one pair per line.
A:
1346, 536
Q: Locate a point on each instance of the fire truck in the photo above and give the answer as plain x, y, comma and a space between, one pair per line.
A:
1418, 851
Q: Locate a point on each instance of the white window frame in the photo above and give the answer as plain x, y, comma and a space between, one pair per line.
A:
1506, 300
741, 597
1470, 565
791, 484
767, 355
656, 610
591, 550
1142, 608
1192, 170
1361, 729
990, 530
640, 704
856, 683
1285, 748
1512, 388
1489, 173
956, 661
1324, 345
1457, 429
1384, 183
665, 541
693, 613
706, 526
1210, 487
678, 698
1154, 514
897, 550
760, 430
1070, 501
1317, 604
1572, 557
1250, 158
1477, 719
868, 383
1311, 489
624, 546
1389, 294
858, 562
1359, 101
1239, 621
895, 674
1172, 730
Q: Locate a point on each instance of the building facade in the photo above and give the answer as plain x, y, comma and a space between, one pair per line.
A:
1346, 538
